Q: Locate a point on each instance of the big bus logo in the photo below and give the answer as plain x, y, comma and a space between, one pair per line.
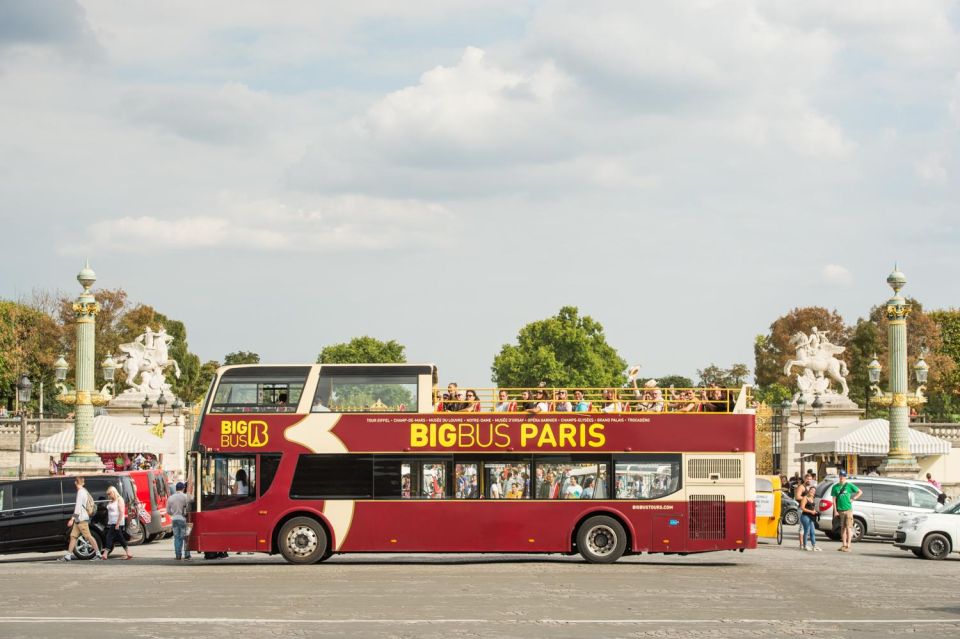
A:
242, 433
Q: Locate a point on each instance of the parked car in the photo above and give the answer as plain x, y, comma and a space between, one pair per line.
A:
881, 507
932, 536
789, 510
151, 488
34, 512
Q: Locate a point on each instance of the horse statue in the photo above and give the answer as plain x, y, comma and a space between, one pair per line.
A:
818, 355
147, 357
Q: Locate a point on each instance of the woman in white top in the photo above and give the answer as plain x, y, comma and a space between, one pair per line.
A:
240, 486
116, 520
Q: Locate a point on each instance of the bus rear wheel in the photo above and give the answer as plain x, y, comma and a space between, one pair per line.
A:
601, 540
302, 540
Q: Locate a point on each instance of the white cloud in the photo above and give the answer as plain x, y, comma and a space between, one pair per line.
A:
343, 223
932, 168
836, 274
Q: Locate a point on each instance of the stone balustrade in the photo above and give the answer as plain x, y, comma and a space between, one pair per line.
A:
949, 432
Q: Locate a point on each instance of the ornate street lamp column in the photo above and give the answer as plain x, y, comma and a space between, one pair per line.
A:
84, 458
900, 461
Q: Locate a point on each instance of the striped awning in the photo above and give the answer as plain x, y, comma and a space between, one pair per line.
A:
871, 437
110, 435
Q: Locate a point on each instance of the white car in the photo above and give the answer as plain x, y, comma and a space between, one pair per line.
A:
932, 536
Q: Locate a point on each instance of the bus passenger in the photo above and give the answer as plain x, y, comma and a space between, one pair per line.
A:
473, 402
587, 488
504, 405
542, 405
610, 403
561, 404
525, 403
573, 489
514, 492
240, 486
453, 405
581, 405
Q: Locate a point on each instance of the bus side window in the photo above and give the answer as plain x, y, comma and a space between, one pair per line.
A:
467, 481
434, 480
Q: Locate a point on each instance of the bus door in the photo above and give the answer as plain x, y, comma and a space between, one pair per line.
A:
228, 488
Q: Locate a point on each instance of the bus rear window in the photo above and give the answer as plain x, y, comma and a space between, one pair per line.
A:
260, 389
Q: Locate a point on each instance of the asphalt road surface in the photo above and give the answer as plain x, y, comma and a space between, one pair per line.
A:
876, 591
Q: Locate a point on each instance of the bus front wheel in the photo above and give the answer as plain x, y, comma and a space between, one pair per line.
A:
601, 540
302, 540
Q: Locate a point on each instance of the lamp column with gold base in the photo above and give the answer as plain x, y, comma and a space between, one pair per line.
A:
84, 458
900, 462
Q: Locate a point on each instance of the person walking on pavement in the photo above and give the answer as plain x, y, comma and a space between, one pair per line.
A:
808, 519
116, 522
79, 524
844, 494
178, 505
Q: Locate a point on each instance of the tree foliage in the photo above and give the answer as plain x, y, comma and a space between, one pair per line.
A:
674, 381
731, 377
564, 350
241, 357
363, 350
29, 344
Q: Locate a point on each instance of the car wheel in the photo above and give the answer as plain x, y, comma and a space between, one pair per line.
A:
601, 540
859, 530
83, 549
917, 552
791, 517
302, 540
935, 546
135, 530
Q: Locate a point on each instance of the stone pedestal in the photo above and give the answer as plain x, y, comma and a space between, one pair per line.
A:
837, 411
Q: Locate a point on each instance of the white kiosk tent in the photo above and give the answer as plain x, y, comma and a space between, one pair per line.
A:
110, 435
862, 445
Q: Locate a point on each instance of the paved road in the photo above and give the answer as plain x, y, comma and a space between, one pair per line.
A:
773, 591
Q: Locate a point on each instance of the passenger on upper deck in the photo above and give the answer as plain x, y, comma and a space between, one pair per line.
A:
455, 394
504, 405
651, 399
561, 403
525, 403
687, 403
543, 404
581, 405
717, 400
473, 402
610, 403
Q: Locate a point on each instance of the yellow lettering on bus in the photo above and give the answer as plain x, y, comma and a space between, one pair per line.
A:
527, 432
502, 438
547, 437
418, 435
597, 438
447, 435
568, 434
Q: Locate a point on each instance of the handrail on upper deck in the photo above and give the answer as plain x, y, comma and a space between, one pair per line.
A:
644, 399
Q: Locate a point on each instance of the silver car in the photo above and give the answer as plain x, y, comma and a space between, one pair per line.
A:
881, 507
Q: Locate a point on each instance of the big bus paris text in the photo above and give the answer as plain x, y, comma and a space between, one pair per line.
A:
308, 461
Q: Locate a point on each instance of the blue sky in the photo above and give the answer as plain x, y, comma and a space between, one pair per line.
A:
282, 176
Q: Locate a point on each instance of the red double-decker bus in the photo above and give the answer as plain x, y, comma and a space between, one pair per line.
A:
307, 461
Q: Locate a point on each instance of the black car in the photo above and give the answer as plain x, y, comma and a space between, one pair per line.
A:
34, 512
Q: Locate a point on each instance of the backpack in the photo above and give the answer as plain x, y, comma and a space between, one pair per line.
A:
90, 505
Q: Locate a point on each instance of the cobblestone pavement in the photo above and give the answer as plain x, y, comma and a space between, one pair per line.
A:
876, 591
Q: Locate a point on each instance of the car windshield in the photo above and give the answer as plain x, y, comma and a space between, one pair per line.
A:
953, 508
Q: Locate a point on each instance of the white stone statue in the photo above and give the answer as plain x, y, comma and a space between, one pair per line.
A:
146, 357
817, 356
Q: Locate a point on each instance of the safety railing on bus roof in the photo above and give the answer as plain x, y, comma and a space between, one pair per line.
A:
643, 399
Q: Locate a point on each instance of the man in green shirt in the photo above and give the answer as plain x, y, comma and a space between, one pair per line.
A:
844, 494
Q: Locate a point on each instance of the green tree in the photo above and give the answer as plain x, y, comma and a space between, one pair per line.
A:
946, 405
363, 350
675, 381
241, 357
30, 344
731, 377
564, 350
